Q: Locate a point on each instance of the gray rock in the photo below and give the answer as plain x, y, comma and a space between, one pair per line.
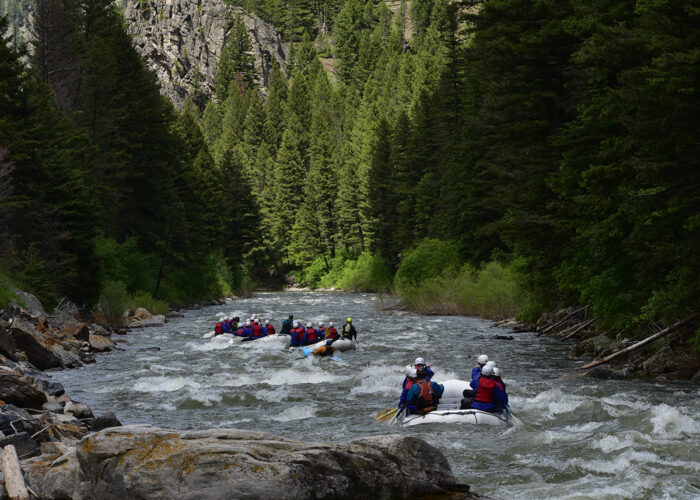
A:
182, 44
105, 421
83, 333
43, 348
158, 320
78, 410
145, 462
54, 406
101, 344
7, 346
24, 445
20, 391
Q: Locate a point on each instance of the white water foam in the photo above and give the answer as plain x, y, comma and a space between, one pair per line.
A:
670, 422
299, 412
164, 384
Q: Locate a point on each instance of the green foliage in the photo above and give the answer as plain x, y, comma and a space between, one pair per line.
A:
367, 273
430, 259
493, 292
7, 288
236, 63
115, 301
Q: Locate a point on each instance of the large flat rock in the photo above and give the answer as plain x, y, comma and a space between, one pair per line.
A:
147, 462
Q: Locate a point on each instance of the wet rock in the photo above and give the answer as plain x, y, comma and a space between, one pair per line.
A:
594, 346
26, 447
7, 346
14, 419
151, 349
145, 462
78, 410
504, 337
174, 314
83, 334
101, 344
105, 421
158, 320
20, 391
54, 406
50, 388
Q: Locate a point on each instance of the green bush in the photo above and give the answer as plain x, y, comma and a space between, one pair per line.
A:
125, 262
493, 292
114, 300
367, 273
7, 293
430, 259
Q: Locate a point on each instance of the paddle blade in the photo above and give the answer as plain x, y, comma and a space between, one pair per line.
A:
384, 415
306, 350
337, 358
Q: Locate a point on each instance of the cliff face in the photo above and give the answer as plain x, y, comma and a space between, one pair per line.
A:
181, 41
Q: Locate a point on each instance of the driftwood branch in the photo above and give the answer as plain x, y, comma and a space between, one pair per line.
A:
690, 320
14, 481
578, 328
567, 318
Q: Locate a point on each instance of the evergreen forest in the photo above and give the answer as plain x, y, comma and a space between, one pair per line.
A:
478, 156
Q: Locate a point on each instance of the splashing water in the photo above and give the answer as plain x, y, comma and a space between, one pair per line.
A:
582, 438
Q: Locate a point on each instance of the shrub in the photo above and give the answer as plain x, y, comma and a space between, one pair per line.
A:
114, 300
367, 273
431, 258
7, 293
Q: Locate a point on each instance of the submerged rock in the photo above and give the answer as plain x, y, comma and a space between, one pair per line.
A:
146, 462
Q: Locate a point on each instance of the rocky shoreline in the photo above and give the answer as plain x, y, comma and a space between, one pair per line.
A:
667, 358
65, 451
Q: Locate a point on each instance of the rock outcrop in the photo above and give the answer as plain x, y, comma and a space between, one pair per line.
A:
181, 41
147, 462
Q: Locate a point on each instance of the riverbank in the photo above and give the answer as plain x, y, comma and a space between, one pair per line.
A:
667, 358
65, 451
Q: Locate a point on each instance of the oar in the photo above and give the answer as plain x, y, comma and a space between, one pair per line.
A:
386, 414
516, 420
398, 414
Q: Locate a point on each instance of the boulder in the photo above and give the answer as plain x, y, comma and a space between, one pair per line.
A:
13, 419
141, 314
78, 410
7, 346
158, 320
105, 421
42, 348
145, 462
24, 445
101, 344
20, 391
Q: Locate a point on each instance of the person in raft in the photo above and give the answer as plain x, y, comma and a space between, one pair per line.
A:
490, 394
476, 371
311, 336
349, 331
406, 384
287, 325
428, 371
296, 334
269, 327
325, 350
331, 332
424, 395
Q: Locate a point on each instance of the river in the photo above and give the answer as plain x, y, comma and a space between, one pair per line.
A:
581, 438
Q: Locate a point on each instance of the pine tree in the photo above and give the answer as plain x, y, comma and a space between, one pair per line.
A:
236, 63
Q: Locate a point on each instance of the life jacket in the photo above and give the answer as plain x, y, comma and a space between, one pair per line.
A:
270, 329
257, 331
324, 329
347, 329
311, 335
226, 327
299, 331
324, 350
232, 325
407, 385
238, 332
218, 328
331, 333
484, 392
426, 395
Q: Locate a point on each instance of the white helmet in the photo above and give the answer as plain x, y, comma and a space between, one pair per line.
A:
254, 316
483, 359
267, 321
413, 374
420, 361
407, 370
308, 325
496, 371
330, 325
492, 364
247, 323
320, 324
487, 370
257, 321
295, 324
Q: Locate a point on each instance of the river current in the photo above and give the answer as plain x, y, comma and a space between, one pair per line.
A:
581, 438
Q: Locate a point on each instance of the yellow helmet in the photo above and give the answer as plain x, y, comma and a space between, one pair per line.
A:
349, 320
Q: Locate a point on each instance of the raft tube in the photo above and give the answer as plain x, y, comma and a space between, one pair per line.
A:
448, 411
340, 345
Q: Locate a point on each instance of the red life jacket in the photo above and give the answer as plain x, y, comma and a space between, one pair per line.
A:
270, 329
426, 395
299, 331
311, 335
239, 332
218, 328
331, 333
408, 384
484, 391
257, 331
324, 328
231, 325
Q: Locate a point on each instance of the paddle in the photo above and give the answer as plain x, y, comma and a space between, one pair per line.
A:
386, 414
516, 420
398, 414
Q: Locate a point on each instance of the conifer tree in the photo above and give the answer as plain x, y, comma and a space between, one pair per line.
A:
236, 63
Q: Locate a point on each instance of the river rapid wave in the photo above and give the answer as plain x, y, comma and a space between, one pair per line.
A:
582, 438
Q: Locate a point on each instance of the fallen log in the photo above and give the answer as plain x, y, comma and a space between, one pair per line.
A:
577, 329
690, 320
14, 481
568, 316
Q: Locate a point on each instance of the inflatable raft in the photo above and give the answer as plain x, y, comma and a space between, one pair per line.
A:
448, 411
340, 345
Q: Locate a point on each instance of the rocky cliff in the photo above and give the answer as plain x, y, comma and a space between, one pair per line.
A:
181, 41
